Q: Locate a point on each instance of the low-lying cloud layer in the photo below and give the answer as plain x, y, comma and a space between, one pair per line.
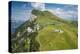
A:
69, 14
22, 11
65, 14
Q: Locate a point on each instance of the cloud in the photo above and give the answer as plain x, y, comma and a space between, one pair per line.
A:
21, 15
40, 6
65, 14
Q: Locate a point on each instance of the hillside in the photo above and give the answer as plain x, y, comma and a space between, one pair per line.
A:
46, 32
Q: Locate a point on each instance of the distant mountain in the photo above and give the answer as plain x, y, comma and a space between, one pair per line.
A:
45, 32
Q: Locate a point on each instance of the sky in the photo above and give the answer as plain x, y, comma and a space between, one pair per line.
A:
64, 11
22, 10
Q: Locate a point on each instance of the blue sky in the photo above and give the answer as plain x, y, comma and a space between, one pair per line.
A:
64, 11
22, 10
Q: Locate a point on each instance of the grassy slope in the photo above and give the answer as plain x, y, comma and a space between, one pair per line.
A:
47, 38
50, 40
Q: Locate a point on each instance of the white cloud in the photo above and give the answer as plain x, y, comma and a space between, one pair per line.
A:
65, 14
21, 15
40, 6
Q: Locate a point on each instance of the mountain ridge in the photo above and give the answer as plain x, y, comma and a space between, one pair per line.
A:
51, 33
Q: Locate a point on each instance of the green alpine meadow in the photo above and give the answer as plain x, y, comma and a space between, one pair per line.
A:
44, 30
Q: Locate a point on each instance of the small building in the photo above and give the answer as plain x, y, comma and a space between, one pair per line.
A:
58, 30
61, 31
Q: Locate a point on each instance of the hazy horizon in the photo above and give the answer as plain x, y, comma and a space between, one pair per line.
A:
22, 10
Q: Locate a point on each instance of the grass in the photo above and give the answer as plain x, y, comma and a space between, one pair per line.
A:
46, 39
50, 40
